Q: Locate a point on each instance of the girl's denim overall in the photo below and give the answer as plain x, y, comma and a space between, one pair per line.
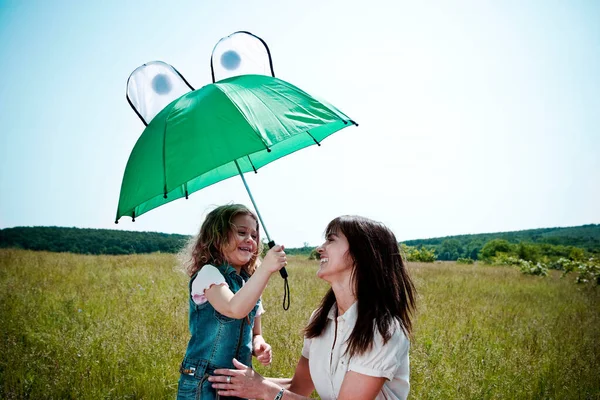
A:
216, 340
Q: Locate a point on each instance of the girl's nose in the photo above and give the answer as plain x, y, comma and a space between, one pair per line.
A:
320, 249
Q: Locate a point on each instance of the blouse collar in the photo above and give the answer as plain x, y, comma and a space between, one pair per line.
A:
349, 316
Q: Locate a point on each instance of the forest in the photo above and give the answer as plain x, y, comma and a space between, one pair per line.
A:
533, 244
530, 244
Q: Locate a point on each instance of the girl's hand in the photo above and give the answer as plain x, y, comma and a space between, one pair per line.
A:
263, 352
275, 259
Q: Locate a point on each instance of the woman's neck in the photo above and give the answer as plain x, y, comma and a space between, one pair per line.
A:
344, 297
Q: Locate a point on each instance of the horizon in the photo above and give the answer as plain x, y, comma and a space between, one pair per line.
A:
311, 245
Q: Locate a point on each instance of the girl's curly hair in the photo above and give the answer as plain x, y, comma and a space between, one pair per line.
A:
207, 247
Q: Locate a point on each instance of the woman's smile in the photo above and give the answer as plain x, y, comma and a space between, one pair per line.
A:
335, 260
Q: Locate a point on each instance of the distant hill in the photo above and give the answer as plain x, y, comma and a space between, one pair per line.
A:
98, 241
586, 237
109, 241
90, 241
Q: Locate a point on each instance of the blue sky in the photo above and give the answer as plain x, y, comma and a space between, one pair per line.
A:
475, 116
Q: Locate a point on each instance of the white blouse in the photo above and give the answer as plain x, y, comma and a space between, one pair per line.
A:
328, 364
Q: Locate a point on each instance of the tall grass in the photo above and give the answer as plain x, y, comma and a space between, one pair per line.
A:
93, 327
492, 332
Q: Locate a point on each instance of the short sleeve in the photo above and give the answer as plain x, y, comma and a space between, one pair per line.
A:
307, 341
206, 277
306, 347
383, 360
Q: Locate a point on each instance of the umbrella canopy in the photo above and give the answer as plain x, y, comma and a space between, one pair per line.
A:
204, 136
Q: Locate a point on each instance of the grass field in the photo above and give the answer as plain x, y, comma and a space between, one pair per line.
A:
96, 327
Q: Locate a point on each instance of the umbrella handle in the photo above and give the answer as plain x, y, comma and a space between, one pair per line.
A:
286, 286
282, 271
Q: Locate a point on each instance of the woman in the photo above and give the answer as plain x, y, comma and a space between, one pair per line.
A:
356, 344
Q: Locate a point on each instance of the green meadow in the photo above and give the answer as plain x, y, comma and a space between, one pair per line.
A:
104, 327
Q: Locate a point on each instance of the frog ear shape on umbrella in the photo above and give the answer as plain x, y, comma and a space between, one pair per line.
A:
152, 86
241, 53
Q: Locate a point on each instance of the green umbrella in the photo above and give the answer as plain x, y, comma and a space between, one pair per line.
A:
233, 126
221, 130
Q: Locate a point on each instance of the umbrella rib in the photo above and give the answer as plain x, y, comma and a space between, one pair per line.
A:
275, 115
313, 138
302, 107
251, 163
244, 116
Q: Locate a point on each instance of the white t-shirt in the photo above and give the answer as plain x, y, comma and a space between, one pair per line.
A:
208, 276
328, 366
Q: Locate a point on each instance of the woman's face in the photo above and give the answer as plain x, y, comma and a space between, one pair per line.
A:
336, 262
241, 243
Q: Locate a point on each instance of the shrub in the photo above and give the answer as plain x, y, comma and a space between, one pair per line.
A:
495, 246
417, 255
525, 266
465, 261
588, 271
314, 255
562, 264
529, 268
505, 259
528, 252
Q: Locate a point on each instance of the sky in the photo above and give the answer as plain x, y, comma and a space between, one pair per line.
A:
474, 116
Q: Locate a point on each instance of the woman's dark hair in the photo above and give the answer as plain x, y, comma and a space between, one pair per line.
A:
383, 289
207, 247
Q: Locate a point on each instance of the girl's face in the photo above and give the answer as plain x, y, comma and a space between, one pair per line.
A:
336, 262
242, 241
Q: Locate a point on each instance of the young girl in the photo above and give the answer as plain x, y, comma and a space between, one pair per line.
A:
225, 306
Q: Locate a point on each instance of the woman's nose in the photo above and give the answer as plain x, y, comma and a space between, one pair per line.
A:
320, 249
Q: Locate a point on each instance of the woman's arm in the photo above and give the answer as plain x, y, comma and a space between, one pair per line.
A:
248, 383
360, 387
354, 387
302, 383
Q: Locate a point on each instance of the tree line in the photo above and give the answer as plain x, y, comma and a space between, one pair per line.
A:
533, 244
90, 241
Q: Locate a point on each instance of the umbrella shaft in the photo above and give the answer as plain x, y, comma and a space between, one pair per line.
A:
252, 200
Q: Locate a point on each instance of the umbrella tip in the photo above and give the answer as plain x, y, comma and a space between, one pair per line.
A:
116, 221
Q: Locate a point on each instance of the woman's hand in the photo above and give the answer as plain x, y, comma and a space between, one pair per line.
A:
275, 259
242, 382
262, 350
